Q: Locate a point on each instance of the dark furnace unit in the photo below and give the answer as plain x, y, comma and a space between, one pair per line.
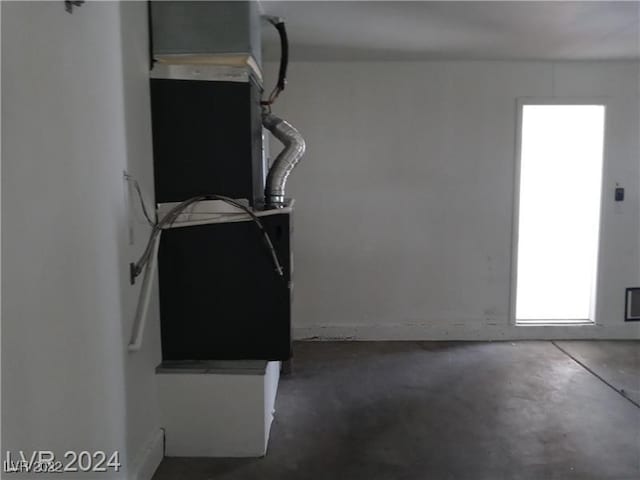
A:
225, 247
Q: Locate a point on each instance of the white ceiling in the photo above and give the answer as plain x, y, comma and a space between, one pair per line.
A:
388, 30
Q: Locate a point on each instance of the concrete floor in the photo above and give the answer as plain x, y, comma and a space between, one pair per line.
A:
439, 411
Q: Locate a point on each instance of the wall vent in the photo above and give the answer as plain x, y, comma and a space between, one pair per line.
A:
632, 303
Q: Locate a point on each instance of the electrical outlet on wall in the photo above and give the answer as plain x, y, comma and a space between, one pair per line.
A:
632, 304
618, 198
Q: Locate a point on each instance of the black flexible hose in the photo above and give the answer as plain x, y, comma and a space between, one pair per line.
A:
136, 269
284, 54
278, 23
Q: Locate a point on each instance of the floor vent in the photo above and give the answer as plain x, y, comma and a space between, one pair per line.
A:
632, 302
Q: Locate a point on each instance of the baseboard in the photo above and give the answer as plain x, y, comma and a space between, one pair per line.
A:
149, 458
465, 331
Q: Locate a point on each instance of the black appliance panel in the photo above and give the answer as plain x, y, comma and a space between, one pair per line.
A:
220, 297
207, 138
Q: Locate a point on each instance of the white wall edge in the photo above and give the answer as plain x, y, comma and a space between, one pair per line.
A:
148, 459
271, 381
466, 332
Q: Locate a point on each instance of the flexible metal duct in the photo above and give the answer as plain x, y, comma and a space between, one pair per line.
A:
286, 161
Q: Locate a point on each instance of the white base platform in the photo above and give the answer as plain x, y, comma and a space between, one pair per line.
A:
218, 409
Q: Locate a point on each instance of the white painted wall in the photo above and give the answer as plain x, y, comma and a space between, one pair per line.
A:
143, 411
75, 114
404, 215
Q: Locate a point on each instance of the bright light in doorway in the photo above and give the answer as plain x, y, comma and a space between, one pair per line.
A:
561, 158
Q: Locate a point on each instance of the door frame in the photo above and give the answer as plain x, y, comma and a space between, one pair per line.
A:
569, 100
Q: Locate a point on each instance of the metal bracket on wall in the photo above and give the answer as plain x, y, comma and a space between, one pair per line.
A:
69, 4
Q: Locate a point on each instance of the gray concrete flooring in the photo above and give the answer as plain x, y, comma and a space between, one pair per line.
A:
447, 410
617, 363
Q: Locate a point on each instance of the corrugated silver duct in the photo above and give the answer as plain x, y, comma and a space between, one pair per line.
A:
285, 161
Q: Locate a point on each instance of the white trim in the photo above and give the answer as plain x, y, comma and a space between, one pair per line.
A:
603, 196
571, 100
467, 331
515, 216
148, 281
552, 323
149, 457
228, 68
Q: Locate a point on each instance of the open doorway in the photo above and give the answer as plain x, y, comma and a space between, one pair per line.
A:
558, 212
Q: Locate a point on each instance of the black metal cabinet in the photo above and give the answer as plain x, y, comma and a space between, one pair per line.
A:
220, 296
207, 138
